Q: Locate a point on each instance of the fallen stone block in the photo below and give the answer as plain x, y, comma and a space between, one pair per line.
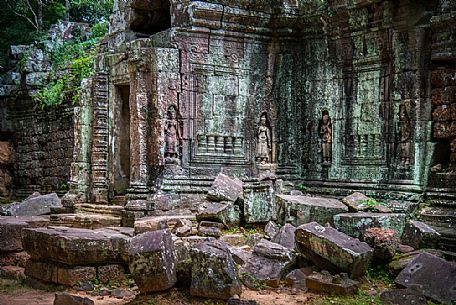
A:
403, 297
355, 224
399, 262
76, 247
296, 279
224, 212
241, 254
238, 301
434, 276
234, 240
356, 202
299, 210
286, 236
209, 228
213, 272
11, 231
332, 250
271, 229
152, 262
12, 272
259, 202
85, 221
419, 235
225, 188
267, 265
64, 298
339, 284
35, 206
156, 223
14, 259
183, 231
383, 241
58, 274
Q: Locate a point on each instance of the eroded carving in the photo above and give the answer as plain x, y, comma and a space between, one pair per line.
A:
326, 138
263, 140
172, 135
404, 134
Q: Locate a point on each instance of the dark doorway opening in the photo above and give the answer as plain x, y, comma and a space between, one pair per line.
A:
122, 141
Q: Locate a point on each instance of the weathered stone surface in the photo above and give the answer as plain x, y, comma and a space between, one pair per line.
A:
383, 241
333, 284
303, 209
85, 221
210, 228
224, 212
419, 235
237, 301
34, 206
332, 250
115, 273
225, 188
399, 262
12, 272
58, 274
434, 276
14, 259
155, 223
356, 202
296, 279
73, 246
241, 254
213, 272
271, 229
355, 224
259, 202
6, 154
234, 240
407, 296
64, 298
286, 236
152, 261
11, 231
267, 265
183, 231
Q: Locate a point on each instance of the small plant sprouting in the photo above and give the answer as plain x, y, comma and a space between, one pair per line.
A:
372, 203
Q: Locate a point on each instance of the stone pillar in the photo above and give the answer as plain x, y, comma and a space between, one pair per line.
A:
140, 114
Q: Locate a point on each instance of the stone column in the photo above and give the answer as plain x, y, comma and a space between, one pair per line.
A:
140, 115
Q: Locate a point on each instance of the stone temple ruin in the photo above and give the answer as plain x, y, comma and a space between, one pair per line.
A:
216, 111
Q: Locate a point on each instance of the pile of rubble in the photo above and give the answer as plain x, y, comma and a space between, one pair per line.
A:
242, 234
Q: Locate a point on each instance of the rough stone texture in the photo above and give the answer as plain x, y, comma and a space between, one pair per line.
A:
303, 209
234, 240
355, 224
64, 298
419, 235
225, 188
333, 284
259, 202
383, 241
74, 246
35, 206
11, 231
267, 265
58, 274
224, 212
152, 262
407, 296
296, 279
238, 301
356, 202
399, 262
286, 236
435, 277
155, 223
209, 228
14, 259
271, 229
85, 221
213, 272
241, 254
115, 273
333, 250
7, 158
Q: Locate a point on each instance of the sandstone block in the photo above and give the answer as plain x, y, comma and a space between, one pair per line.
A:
64, 298
58, 274
73, 246
156, 223
356, 202
34, 206
225, 188
152, 261
108, 273
286, 236
339, 284
259, 202
332, 250
303, 209
213, 272
224, 212
209, 228
11, 231
404, 297
383, 241
355, 224
419, 235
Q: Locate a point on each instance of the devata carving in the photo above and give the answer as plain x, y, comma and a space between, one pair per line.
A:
172, 135
326, 138
405, 133
264, 143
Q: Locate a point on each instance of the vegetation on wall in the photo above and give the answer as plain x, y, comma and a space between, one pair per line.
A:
71, 63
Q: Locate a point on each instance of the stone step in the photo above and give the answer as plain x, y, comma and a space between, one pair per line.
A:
439, 215
185, 185
85, 221
447, 240
113, 210
120, 200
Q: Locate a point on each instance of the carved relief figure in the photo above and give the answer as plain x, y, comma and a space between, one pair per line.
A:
264, 143
172, 133
404, 133
326, 138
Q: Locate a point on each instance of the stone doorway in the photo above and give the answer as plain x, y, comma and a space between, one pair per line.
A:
121, 140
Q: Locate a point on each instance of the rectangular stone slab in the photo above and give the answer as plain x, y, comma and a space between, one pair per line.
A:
73, 246
354, 224
303, 209
433, 276
11, 230
333, 250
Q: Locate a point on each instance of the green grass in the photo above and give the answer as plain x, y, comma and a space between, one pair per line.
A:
358, 299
